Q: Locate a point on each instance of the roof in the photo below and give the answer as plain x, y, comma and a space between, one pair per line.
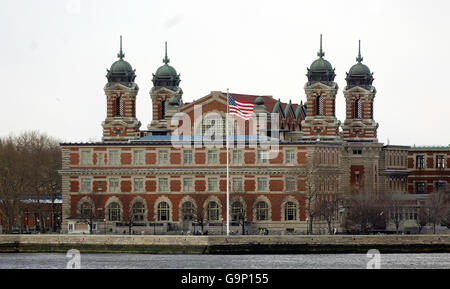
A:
430, 148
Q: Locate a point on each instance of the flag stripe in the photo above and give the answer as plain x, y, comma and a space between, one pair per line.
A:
240, 109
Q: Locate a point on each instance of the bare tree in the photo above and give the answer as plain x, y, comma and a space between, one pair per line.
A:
239, 211
315, 177
327, 209
14, 182
364, 212
422, 217
395, 203
437, 205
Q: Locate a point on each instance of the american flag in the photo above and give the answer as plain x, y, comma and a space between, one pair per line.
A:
239, 109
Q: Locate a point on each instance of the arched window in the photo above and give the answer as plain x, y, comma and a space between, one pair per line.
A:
319, 105
86, 210
138, 212
237, 211
262, 211
212, 211
163, 109
188, 211
358, 108
290, 211
114, 212
163, 211
119, 106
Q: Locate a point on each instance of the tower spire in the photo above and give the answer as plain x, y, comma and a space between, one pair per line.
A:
359, 58
121, 55
320, 53
166, 59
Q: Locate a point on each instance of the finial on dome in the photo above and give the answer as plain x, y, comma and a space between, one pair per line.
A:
320, 53
121, 55
359, 58
166, 59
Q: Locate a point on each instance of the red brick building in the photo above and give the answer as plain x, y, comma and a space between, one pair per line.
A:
155, 181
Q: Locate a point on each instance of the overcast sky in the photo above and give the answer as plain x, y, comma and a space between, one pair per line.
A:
55, 54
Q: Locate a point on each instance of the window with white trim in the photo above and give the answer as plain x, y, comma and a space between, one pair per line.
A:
101, 159
212, 157
237, 157
138, 157
263, 156
290, 211
163, 211
237, 184
114, 158
86, 185
290, 184
188, 185
86, 158
138, 184
114, 185
440, 161
163, 157
420, 161
212, 211
163, 184
187, 157
290, 157
262, 211
262, 184
212, 185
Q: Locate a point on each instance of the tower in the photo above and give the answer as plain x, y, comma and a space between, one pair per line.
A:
361, 154
359, 96
320, 122
121, 123
165, 95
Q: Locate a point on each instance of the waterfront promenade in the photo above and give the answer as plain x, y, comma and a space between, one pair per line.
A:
291, 244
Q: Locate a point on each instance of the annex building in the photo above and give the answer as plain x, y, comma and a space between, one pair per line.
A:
138, 179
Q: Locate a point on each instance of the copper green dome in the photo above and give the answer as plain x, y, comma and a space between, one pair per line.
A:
321, 69
121, 71
359, 74
259, 100
166, 75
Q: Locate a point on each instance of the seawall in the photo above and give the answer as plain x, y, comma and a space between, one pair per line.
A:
226, 244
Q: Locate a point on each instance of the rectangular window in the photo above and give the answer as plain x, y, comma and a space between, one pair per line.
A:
163, 184
212, 157
138, 158
85, 158
440, 186
237, 157
138, 185
357, 152
163, 157
262, 184
187, 157
290, 157
212, 184
290, 184
440, 162
114, 158
420, 188
188, 185
420, 162
101, 159
263, 156
70, 227
114, 185
237, 185
86, 185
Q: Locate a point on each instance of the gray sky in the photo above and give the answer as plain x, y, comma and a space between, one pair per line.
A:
55, 54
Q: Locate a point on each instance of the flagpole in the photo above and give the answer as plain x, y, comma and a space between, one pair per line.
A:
228, 170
